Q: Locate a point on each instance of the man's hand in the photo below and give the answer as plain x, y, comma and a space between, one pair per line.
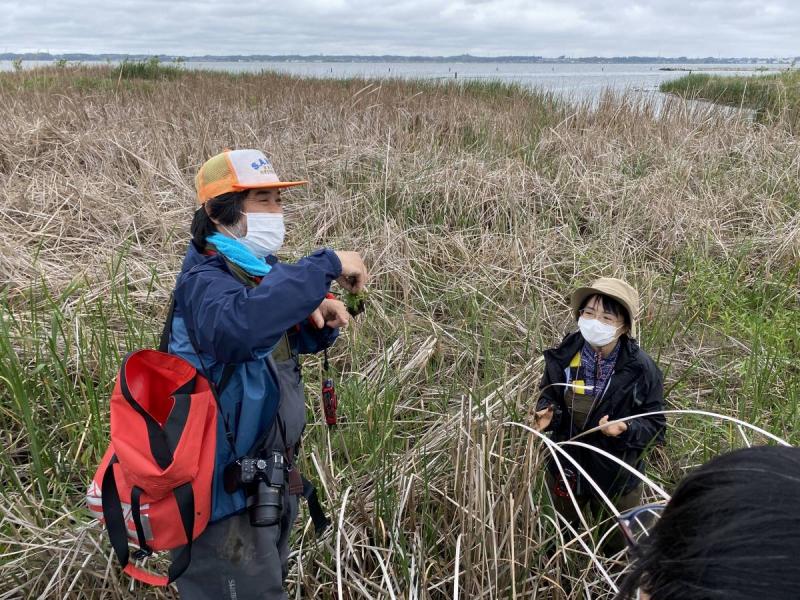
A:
542, 418
614, 428
332, 313
354, 273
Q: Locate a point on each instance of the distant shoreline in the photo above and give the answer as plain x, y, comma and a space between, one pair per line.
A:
755, 69
463, 58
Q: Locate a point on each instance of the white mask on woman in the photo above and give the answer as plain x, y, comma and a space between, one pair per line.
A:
597, 333
265, 233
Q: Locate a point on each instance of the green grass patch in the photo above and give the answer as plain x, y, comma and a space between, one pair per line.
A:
151, 68
772, 96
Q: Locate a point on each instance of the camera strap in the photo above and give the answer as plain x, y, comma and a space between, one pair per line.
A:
318, 517
329, 399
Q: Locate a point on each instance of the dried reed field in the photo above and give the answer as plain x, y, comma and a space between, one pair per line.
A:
478, 207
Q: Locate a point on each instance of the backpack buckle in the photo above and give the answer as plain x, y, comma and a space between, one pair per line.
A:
141, 553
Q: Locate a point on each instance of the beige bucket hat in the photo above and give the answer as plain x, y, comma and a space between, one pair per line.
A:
620, 290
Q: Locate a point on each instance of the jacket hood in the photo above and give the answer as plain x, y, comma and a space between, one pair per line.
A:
193, 258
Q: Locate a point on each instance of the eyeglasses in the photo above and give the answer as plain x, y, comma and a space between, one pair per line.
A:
638, 522
606, 318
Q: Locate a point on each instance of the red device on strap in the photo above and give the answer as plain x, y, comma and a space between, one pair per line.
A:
329, 401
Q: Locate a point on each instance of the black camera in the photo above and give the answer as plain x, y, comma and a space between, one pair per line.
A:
264, 480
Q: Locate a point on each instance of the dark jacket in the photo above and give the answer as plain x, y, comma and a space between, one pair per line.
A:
636, 387
234, 323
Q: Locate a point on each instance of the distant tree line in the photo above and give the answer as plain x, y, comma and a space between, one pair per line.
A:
461, 58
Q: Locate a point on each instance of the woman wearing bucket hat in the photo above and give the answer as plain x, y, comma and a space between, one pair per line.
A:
597, 376
242, 318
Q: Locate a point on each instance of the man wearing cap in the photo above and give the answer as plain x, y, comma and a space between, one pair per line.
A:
597, 376
243, 318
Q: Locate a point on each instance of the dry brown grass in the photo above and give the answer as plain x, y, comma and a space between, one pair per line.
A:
477, 209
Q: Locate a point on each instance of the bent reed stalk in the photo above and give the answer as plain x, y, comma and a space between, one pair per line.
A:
478, 207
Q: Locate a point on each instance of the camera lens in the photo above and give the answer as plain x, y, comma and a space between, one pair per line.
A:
265, 505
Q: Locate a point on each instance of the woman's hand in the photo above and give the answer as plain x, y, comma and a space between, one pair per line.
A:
543, 418
614, 428
354, 273
332, 313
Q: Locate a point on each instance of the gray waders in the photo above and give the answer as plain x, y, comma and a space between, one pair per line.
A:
232, 560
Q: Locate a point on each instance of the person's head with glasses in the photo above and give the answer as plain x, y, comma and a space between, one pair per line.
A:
605, 310
730, 532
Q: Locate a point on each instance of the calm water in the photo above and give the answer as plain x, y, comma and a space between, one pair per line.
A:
576, 81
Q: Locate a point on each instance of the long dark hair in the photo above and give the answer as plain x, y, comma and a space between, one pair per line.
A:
731, 531
225, 208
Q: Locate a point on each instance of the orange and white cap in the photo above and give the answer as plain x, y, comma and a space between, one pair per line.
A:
235, 171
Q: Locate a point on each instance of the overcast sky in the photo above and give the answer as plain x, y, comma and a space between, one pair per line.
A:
769, 28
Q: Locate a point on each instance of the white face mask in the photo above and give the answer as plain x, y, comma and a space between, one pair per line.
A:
265, 233
596, 332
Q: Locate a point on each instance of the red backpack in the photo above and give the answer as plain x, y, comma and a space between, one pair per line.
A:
153, 486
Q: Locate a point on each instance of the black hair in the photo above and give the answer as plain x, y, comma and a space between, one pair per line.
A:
225, 208
731, 531
610, 305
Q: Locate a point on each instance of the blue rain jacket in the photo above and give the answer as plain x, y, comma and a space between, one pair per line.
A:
233, 323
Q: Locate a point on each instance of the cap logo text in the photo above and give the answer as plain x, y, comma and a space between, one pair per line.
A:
262, 165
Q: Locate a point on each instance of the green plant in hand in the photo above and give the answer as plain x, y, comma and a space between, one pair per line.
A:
355, 301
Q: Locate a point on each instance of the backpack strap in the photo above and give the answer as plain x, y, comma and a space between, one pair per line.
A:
163, 345
136, 515
112, 513
118, 533
216, 389
227, 373
162, 440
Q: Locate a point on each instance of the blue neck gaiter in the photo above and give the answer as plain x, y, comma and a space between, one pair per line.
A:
239, 255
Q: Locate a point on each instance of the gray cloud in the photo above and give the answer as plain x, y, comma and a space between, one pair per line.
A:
483, 27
